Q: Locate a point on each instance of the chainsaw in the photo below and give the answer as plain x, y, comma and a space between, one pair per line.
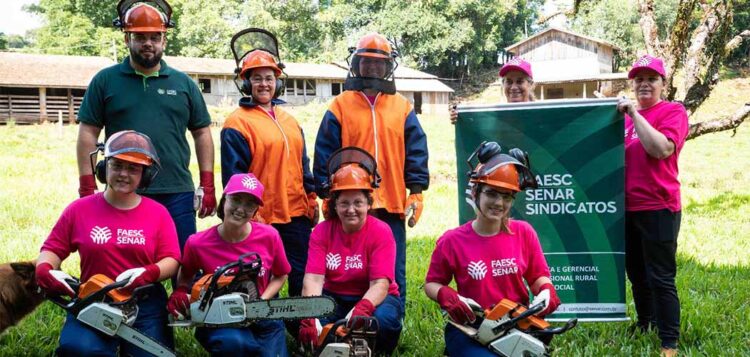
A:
100, 305
348, 338
510, 329
229, 298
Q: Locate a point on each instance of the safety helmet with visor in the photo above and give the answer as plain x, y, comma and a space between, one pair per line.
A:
510, 171
372, 45
130, 146
351, 168
143, 16
256, 48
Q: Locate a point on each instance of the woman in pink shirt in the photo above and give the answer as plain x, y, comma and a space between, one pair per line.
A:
224, 243
120, 234
655, 132
352, 254
492, 257
518, 84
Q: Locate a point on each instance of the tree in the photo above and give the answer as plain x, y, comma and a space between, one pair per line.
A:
3, 41
698, 53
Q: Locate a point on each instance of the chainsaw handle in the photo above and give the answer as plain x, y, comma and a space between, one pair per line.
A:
513, 321
79, 304
557, 330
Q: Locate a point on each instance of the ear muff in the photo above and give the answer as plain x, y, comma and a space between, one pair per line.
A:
247, 88
101, 171
280, 86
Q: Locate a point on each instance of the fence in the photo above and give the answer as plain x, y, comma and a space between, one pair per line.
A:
29, 109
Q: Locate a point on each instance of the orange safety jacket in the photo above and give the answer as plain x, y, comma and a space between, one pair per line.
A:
273, 149
389, 130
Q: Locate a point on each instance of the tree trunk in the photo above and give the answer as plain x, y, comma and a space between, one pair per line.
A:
717, 125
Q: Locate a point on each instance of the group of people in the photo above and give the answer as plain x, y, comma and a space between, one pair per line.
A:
370, 170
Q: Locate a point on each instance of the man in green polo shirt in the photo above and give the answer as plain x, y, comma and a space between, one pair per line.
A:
143, 94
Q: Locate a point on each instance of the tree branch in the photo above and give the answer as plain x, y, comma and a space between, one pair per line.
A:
713, 126
648, 26
736, 41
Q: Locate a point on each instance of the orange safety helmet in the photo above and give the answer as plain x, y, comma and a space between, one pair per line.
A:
143, 17
374, 45
351, 177
259, 59
504, 176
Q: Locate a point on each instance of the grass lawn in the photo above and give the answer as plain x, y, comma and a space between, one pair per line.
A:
39, 178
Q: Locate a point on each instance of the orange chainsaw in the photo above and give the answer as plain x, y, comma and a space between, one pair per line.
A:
229, 298
100, 305
511, 330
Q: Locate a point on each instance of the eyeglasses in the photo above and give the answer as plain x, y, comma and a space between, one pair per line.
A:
356, 204
142, 38
260, 80
495, 195
130, 169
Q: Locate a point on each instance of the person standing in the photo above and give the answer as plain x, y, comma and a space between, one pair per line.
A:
655, 132
144, 94
261, 138
370, 115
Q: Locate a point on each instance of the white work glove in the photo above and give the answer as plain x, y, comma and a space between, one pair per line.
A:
542, 298
130, 275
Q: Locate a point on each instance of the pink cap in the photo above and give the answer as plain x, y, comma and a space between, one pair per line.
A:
245, 183
516, 64
647, 62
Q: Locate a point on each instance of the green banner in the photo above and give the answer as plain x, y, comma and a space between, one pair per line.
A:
577, 153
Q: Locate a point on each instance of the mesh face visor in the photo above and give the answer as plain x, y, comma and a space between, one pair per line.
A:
352, 155
131, 142
252, 39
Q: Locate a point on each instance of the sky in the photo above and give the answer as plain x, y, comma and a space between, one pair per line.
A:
13, 20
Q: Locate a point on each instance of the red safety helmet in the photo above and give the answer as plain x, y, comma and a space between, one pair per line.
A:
143, 17
259, 59
351, 168
374, 45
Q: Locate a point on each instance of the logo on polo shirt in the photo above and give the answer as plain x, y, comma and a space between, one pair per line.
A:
477, 270
130, 237
168, 91
100, 235
353, 262
333, 261
249, 182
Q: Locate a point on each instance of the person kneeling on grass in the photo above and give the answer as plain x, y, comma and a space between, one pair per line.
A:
224, 243
122, 235
352, 255
465, 253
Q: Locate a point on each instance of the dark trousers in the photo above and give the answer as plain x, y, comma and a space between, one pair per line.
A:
459, 344
296, 238
180, 207
78, 339
650, 262
389, 315
398, 227
263, 338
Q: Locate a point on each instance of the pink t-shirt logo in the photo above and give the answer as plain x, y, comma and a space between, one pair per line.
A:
502, 267
131, 236
333, 261
477, 270
354, 262
100, 235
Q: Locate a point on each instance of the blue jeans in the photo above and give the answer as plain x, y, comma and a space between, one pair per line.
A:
398, 227
263, 338
458, 344
389, 315
78, 339
180, 207
296, 238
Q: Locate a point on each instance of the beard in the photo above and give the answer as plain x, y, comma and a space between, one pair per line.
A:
143, 62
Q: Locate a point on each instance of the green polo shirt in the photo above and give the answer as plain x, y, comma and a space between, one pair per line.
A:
162, 105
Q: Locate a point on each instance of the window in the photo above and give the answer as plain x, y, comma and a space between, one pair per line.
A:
554, 93
309, 87
290, 87
204, 84
336, 88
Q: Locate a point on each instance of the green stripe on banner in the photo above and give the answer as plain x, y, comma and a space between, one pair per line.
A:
577, 152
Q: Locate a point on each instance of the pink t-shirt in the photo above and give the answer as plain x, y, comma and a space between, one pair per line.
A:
350, 261
489, 269
206, 251
110, 240
650, 183
371, 98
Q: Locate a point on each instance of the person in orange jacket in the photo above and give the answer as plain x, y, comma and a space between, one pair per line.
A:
370, 115
261, 138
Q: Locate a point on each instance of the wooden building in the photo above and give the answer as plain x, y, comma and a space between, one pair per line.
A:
35, 88
570, 65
